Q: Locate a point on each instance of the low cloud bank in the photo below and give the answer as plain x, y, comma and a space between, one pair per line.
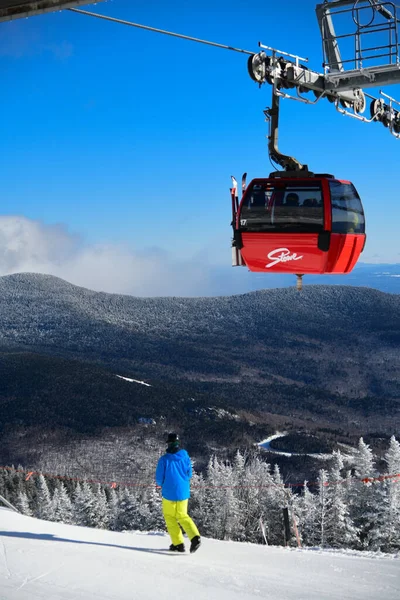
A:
32, 246
35, 247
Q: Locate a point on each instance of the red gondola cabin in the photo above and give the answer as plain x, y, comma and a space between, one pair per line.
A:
309, 225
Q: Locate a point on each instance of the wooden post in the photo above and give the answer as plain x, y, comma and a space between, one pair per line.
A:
286, 524
264, 533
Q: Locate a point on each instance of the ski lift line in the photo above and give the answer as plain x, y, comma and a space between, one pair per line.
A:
163, 31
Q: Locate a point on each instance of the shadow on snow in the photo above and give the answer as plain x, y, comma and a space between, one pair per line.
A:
53, 538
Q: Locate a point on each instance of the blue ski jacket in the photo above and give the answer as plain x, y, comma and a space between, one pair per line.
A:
173, 474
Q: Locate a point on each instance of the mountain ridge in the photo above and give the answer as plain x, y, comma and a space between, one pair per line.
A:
47, 314
326, 359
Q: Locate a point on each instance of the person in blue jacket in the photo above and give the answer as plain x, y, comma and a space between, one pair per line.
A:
173, 473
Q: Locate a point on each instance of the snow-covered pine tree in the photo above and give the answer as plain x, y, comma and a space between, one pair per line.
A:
128, 515
84, 506
112, 509
212, 499
340, 531
242, 491
62, 505
101, 507
16, 482
155, 519
265, 501
248, 476
197, 495
43, 505
11, 484
229, 512
221, 508
386, 533
392, 458
3, 478
30, 489
280, 497
323, 506
305, 507
22, 504
362, 499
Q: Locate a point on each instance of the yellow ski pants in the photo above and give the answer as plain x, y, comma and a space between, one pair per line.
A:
175, 514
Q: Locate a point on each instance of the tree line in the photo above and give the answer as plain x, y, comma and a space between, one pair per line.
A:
241, 500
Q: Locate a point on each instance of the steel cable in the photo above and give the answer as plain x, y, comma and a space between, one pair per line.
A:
148, 28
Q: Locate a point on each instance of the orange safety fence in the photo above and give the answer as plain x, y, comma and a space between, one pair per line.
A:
395, 478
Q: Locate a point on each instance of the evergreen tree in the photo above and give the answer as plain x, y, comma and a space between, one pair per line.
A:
16, 483
22, 504
361, 495
197, 499
155, 518
3, 477
212, 499
112, 509
101, 507
306, 513
44, 506
62, 505
386, 533
323, 506
244, 494
229, 512
128, 513
280, 498
84, 506
250, 488
220, 504
392, 457
340, 531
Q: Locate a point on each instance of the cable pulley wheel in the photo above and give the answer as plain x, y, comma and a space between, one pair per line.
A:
257, 67
359, 104
375, 108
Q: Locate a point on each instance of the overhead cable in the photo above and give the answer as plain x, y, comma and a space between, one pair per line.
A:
178, 35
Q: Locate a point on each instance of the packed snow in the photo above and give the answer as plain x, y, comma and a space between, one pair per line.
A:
134, 380
266, 444
43, 560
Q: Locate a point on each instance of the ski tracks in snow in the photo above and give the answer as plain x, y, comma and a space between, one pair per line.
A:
29, 580
6, 559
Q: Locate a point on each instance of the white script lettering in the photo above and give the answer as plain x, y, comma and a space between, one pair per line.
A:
281, 255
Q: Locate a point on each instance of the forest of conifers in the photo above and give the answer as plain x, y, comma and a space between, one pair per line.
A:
349, 506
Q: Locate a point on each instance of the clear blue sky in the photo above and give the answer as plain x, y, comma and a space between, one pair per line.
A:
128, 138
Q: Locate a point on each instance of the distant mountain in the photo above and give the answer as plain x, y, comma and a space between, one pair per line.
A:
382, 277
385, 278
223, 369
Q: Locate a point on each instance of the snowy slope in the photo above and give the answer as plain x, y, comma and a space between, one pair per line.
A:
40, 560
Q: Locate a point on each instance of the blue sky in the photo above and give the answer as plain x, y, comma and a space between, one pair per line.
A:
118, 142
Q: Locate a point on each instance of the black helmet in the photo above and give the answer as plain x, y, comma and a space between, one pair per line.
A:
173, 438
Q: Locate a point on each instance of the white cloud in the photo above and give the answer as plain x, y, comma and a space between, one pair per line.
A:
31, 246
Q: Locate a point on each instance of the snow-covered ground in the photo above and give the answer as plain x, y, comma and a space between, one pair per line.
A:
40, 560
134, 380
266, 444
